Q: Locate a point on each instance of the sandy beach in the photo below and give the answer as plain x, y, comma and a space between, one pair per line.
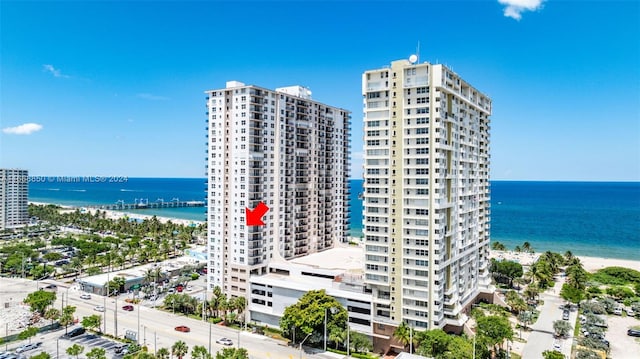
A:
117, 215
591, 264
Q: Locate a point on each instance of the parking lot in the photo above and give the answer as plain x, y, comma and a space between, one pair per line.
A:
622, 345
55, 345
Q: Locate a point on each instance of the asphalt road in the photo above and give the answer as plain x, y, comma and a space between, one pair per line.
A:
156, 328
541, 337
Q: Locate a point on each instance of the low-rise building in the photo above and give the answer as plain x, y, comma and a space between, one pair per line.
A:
339, 271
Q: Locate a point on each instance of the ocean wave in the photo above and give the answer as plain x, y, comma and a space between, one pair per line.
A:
128, 190
77, 190
52, 189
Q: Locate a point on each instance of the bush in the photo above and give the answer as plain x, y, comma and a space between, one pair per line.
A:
616, 276
594, 307
215, 320
586, 354
593, 344
620, 292
195, 276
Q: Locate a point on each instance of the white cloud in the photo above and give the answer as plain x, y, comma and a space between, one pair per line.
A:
55, 72
515, 8
148, 96
24, 129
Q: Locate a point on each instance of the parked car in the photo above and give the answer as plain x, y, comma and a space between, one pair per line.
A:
74, 333
27, 347
51, 288
183, 328
85, 296
617, 311
630, 312
565, 315
633, 332
98, 308
224, 341
557, 345
128, 307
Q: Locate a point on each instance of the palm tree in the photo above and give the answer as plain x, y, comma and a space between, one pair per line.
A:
200, 352
531, 292
568, 256
162, 353
403, 334
75, 350
517, 249
241, 305
526, 247
179, 349
497, 246
52, 314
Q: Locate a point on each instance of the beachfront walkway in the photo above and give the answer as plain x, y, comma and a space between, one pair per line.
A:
541, 336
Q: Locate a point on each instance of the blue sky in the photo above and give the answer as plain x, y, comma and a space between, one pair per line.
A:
117, 88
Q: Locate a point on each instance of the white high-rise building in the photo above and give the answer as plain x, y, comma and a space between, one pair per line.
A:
286, 150
14, 192
426, 195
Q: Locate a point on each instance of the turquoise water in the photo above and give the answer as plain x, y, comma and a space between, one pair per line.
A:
589, 218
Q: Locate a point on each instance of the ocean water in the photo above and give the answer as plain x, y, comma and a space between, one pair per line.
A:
589, 218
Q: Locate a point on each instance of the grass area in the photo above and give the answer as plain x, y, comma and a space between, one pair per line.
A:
515, 356
616, 276
355, 355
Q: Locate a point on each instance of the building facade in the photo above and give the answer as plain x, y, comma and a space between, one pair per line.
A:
285, 150
426, 195
14, 191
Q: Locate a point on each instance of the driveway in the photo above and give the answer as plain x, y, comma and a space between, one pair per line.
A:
541, 336
622, 346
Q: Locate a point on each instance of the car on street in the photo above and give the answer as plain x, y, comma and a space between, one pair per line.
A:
557, 345
633, 332
565, 315
189, 288
27, 347
128, 307
98, 308
224, 341
183, 328
51, 288
85, 296
74, 333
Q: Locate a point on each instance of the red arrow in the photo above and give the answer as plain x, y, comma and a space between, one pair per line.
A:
254, 218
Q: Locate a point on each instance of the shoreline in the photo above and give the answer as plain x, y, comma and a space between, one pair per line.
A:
590, 264
115, 215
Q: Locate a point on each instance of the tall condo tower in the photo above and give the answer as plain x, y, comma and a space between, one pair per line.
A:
426, 195
285, 150
14, 192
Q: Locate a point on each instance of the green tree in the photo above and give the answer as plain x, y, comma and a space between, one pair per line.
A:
494, 329
403, 334
497, 246
462, 348
526, 247
359, 342
40, 300
433, 343
92, 321
561, 328
552, 354
66, 319
572, 294
200, 352
307, 316
338, 336
232, 353
52, 314
28, 333
179, 349
525, 317
508, 270
163, 353
42, 355
96, 353
75, 350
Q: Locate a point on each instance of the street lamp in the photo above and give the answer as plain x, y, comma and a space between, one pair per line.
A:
333, 311
302, 342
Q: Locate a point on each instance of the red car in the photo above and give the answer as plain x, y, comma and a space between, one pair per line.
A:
128, 308
183, 328
179, 289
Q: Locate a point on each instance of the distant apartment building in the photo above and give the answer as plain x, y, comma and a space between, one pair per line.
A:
14, 190
286, 150
426, 208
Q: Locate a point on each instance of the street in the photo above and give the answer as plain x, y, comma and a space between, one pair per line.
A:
156, 328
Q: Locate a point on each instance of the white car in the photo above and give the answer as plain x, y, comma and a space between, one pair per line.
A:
224, 341
617, 311
98, 308
28, 347
557, 345
85, 296
630, 312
